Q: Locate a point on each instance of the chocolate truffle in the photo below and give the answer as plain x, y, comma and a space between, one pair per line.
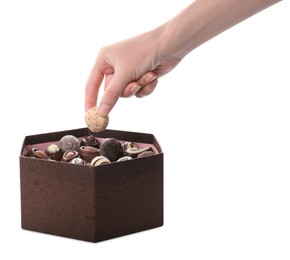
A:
95, 122
99, 160
69, 143
90, 140
54, 152
68, 156
112, 149
88, 152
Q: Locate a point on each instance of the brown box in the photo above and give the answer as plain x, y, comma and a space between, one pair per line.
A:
91, 203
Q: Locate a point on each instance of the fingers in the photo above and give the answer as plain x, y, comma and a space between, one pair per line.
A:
110, 96
145, 81
92, 88
146, 78
147, 90
144, 86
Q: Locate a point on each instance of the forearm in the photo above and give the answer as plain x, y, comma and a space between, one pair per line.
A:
203, 20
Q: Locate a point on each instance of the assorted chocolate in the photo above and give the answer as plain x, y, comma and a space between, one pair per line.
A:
89, 150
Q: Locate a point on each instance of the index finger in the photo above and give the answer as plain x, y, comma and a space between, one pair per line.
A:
92, 87
111, 95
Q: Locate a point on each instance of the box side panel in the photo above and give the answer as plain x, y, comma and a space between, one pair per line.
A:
57, 198
129, 197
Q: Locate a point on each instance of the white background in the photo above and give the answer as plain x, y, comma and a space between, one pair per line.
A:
221, 117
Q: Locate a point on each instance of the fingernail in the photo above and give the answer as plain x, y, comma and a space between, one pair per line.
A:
134, 90
152, 77
104, 110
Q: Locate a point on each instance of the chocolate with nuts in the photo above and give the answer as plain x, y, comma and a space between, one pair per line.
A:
69, 143
96, 122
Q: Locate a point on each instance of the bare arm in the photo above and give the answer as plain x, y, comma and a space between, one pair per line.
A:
158, 51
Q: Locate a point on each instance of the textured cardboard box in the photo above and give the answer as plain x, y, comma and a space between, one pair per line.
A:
91, 203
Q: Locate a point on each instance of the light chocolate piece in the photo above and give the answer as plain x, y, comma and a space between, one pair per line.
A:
95, 122
100, 160
69, 143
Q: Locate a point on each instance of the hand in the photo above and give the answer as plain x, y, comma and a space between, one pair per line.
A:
131, 67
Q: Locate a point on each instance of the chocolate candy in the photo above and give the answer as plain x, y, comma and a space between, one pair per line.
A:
112, 149
54, 152
78, 161
88, 152
95, 122
36, 153
90, 140
124, 158
99, 160
145, 154
68, 156
134, 152
127, 145
69, 143
71, 149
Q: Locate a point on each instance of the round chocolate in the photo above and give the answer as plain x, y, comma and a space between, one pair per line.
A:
68, 156
78, 161
112, 149
88, 152
96, 122
36, 153
99, 160
90, 140
69, 143
54, 152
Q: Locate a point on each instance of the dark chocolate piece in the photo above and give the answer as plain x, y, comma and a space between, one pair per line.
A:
112, 149
90, 140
